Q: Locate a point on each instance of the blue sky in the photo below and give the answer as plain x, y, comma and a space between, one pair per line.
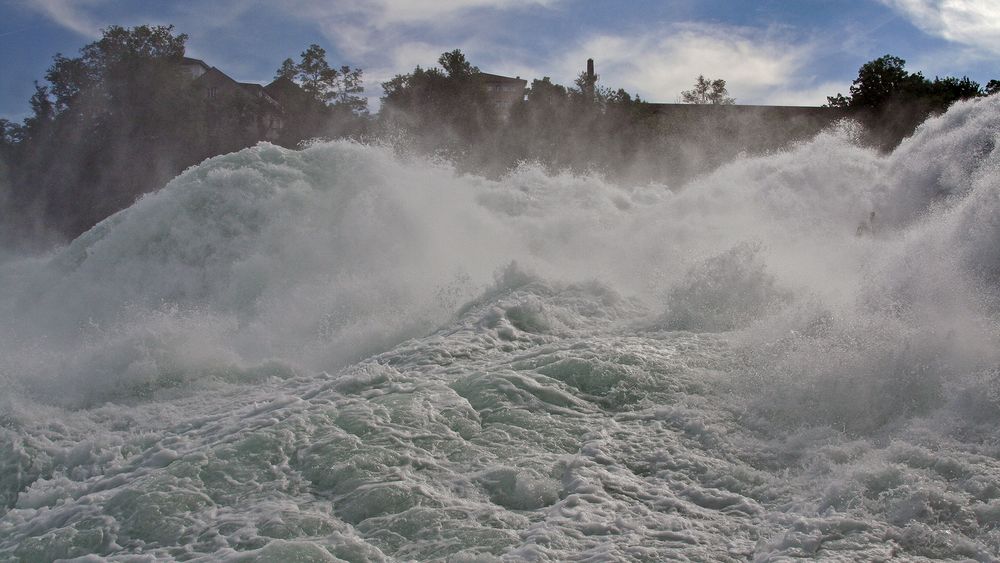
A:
770, 51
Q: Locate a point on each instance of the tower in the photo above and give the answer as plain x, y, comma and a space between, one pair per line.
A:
591, 78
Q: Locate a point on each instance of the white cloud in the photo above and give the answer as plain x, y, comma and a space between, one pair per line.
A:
658, 64
389, 12
360, 27
975, 23
391, 36
807, 96
382, 13
71, 14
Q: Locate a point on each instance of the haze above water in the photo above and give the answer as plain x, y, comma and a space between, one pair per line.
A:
339, 353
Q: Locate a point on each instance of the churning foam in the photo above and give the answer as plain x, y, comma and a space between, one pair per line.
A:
269, 265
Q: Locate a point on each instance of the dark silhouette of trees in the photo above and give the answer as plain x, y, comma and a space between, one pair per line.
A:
880, 81
288, 70
456, 66
891, 102
106, 127
445, 110
708, 91
339, 88
327, 102
124, 116
448, 111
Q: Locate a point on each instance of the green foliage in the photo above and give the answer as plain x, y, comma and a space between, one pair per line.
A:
585, 84
885, 81
708, 91
9, 134
945, 91
315, 75
545, 92
448, 111
891, 102
455, 64
338, 88
446, 108
287, 70
348, 95
6, 129
992, 87
124, 116
126, 46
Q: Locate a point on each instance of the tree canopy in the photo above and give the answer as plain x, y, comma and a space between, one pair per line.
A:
708, 91
338, 88
455, 64
885, 81
891, 101
124, 116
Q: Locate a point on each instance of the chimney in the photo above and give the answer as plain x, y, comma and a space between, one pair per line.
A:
591, 78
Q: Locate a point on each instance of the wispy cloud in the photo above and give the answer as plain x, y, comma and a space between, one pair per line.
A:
656, 60
360, 27
758, 65
390, 12
74, 15
975, 23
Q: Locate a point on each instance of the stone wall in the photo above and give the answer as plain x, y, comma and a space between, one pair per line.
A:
703, 137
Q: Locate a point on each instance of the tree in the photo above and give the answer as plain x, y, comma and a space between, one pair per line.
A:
586, 84
880, 81
707, 91
287, 70
340, 88
892, 102
447, 107
945, 91
545, 92
993, 87
315, 75
455, 65
108, 125
885, 82
9, 133
348, 96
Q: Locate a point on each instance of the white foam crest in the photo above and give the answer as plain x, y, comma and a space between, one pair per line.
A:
844, 406
326, 255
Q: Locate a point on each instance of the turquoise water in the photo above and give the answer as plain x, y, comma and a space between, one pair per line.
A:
338, 353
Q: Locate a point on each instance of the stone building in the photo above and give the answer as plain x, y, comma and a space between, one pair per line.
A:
503, 91
262, 115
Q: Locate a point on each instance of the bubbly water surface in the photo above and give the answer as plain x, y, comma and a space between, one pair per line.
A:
340, 354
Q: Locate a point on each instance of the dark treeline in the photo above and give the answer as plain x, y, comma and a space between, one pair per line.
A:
589, 127
891, 102
585, 126
125, 116
128, 114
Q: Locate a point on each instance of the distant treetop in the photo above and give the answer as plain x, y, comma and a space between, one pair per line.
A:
340, 88
708, 91
455, 64
885, 81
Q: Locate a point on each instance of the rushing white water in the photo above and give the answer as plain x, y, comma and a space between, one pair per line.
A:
337, 354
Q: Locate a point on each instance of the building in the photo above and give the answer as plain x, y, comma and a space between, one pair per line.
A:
503, 91
194, 67
264, 116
